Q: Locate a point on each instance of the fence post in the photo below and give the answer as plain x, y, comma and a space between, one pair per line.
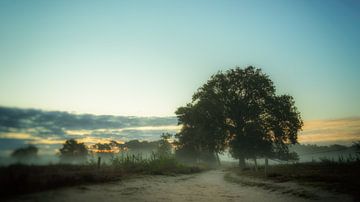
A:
266, 166
99, 162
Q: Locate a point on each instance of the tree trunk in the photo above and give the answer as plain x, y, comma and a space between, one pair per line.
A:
218, 159
242, 163
266, 166
256, 166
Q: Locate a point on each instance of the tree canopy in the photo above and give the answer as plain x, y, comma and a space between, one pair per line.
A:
25, 154
238, 109
73, 152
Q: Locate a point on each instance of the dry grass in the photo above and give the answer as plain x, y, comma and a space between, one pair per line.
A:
19, 179
332, 176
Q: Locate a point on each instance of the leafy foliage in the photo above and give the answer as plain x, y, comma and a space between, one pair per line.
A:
73, 152
240, 110
141, 145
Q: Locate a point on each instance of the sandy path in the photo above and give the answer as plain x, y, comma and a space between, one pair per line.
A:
207, 186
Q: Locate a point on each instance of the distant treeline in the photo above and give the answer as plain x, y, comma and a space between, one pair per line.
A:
73, 151
305, 149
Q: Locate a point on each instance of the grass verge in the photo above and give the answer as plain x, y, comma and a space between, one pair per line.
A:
270, 186
332, 176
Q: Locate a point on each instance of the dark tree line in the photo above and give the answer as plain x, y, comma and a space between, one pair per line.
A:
238, 110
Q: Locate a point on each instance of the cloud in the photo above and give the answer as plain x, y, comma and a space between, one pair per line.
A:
6, 144
331, 131
52, 128
45, 123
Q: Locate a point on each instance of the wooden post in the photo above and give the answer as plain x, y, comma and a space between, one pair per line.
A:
266, 166
99, 162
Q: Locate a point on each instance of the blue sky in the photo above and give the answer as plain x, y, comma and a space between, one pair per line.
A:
146, 58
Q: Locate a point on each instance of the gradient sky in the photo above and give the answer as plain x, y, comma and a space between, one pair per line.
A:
148, 57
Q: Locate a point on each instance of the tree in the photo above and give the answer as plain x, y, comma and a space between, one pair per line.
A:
202, 136
103, 150
136, 145
25, 154
165, 147
73, 152
357, 146
240, 110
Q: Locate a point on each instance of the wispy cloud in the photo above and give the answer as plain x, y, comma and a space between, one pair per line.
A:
343, 131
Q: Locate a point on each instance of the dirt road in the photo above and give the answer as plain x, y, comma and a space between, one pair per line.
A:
207, 186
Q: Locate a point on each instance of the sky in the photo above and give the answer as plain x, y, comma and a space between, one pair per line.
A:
146, 58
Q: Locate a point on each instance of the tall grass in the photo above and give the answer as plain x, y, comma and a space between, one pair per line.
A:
17, 179
155, 164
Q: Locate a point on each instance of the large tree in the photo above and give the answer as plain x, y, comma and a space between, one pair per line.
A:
239, 109
202, 135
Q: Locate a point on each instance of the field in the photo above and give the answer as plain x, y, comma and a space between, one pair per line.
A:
332, 176
20, 179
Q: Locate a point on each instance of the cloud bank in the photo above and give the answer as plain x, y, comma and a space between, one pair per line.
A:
335, 131
49, 129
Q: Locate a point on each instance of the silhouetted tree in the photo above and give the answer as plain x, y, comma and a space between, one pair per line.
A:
357, 146
104, 151
73, 152
134, 145
239, 109
25, 154
105, 147
202, 135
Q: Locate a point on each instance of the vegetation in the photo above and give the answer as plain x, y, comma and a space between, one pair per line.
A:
156, 164
17, 179
73, 152
25, 155
141, 145
304, 149
165, 148
356, 145
239, 110
74, 169
271, 186
339, 176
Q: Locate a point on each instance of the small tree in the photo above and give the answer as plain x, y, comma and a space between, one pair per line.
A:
106, 151
357, 147
73, 152
25, 154
165, 147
